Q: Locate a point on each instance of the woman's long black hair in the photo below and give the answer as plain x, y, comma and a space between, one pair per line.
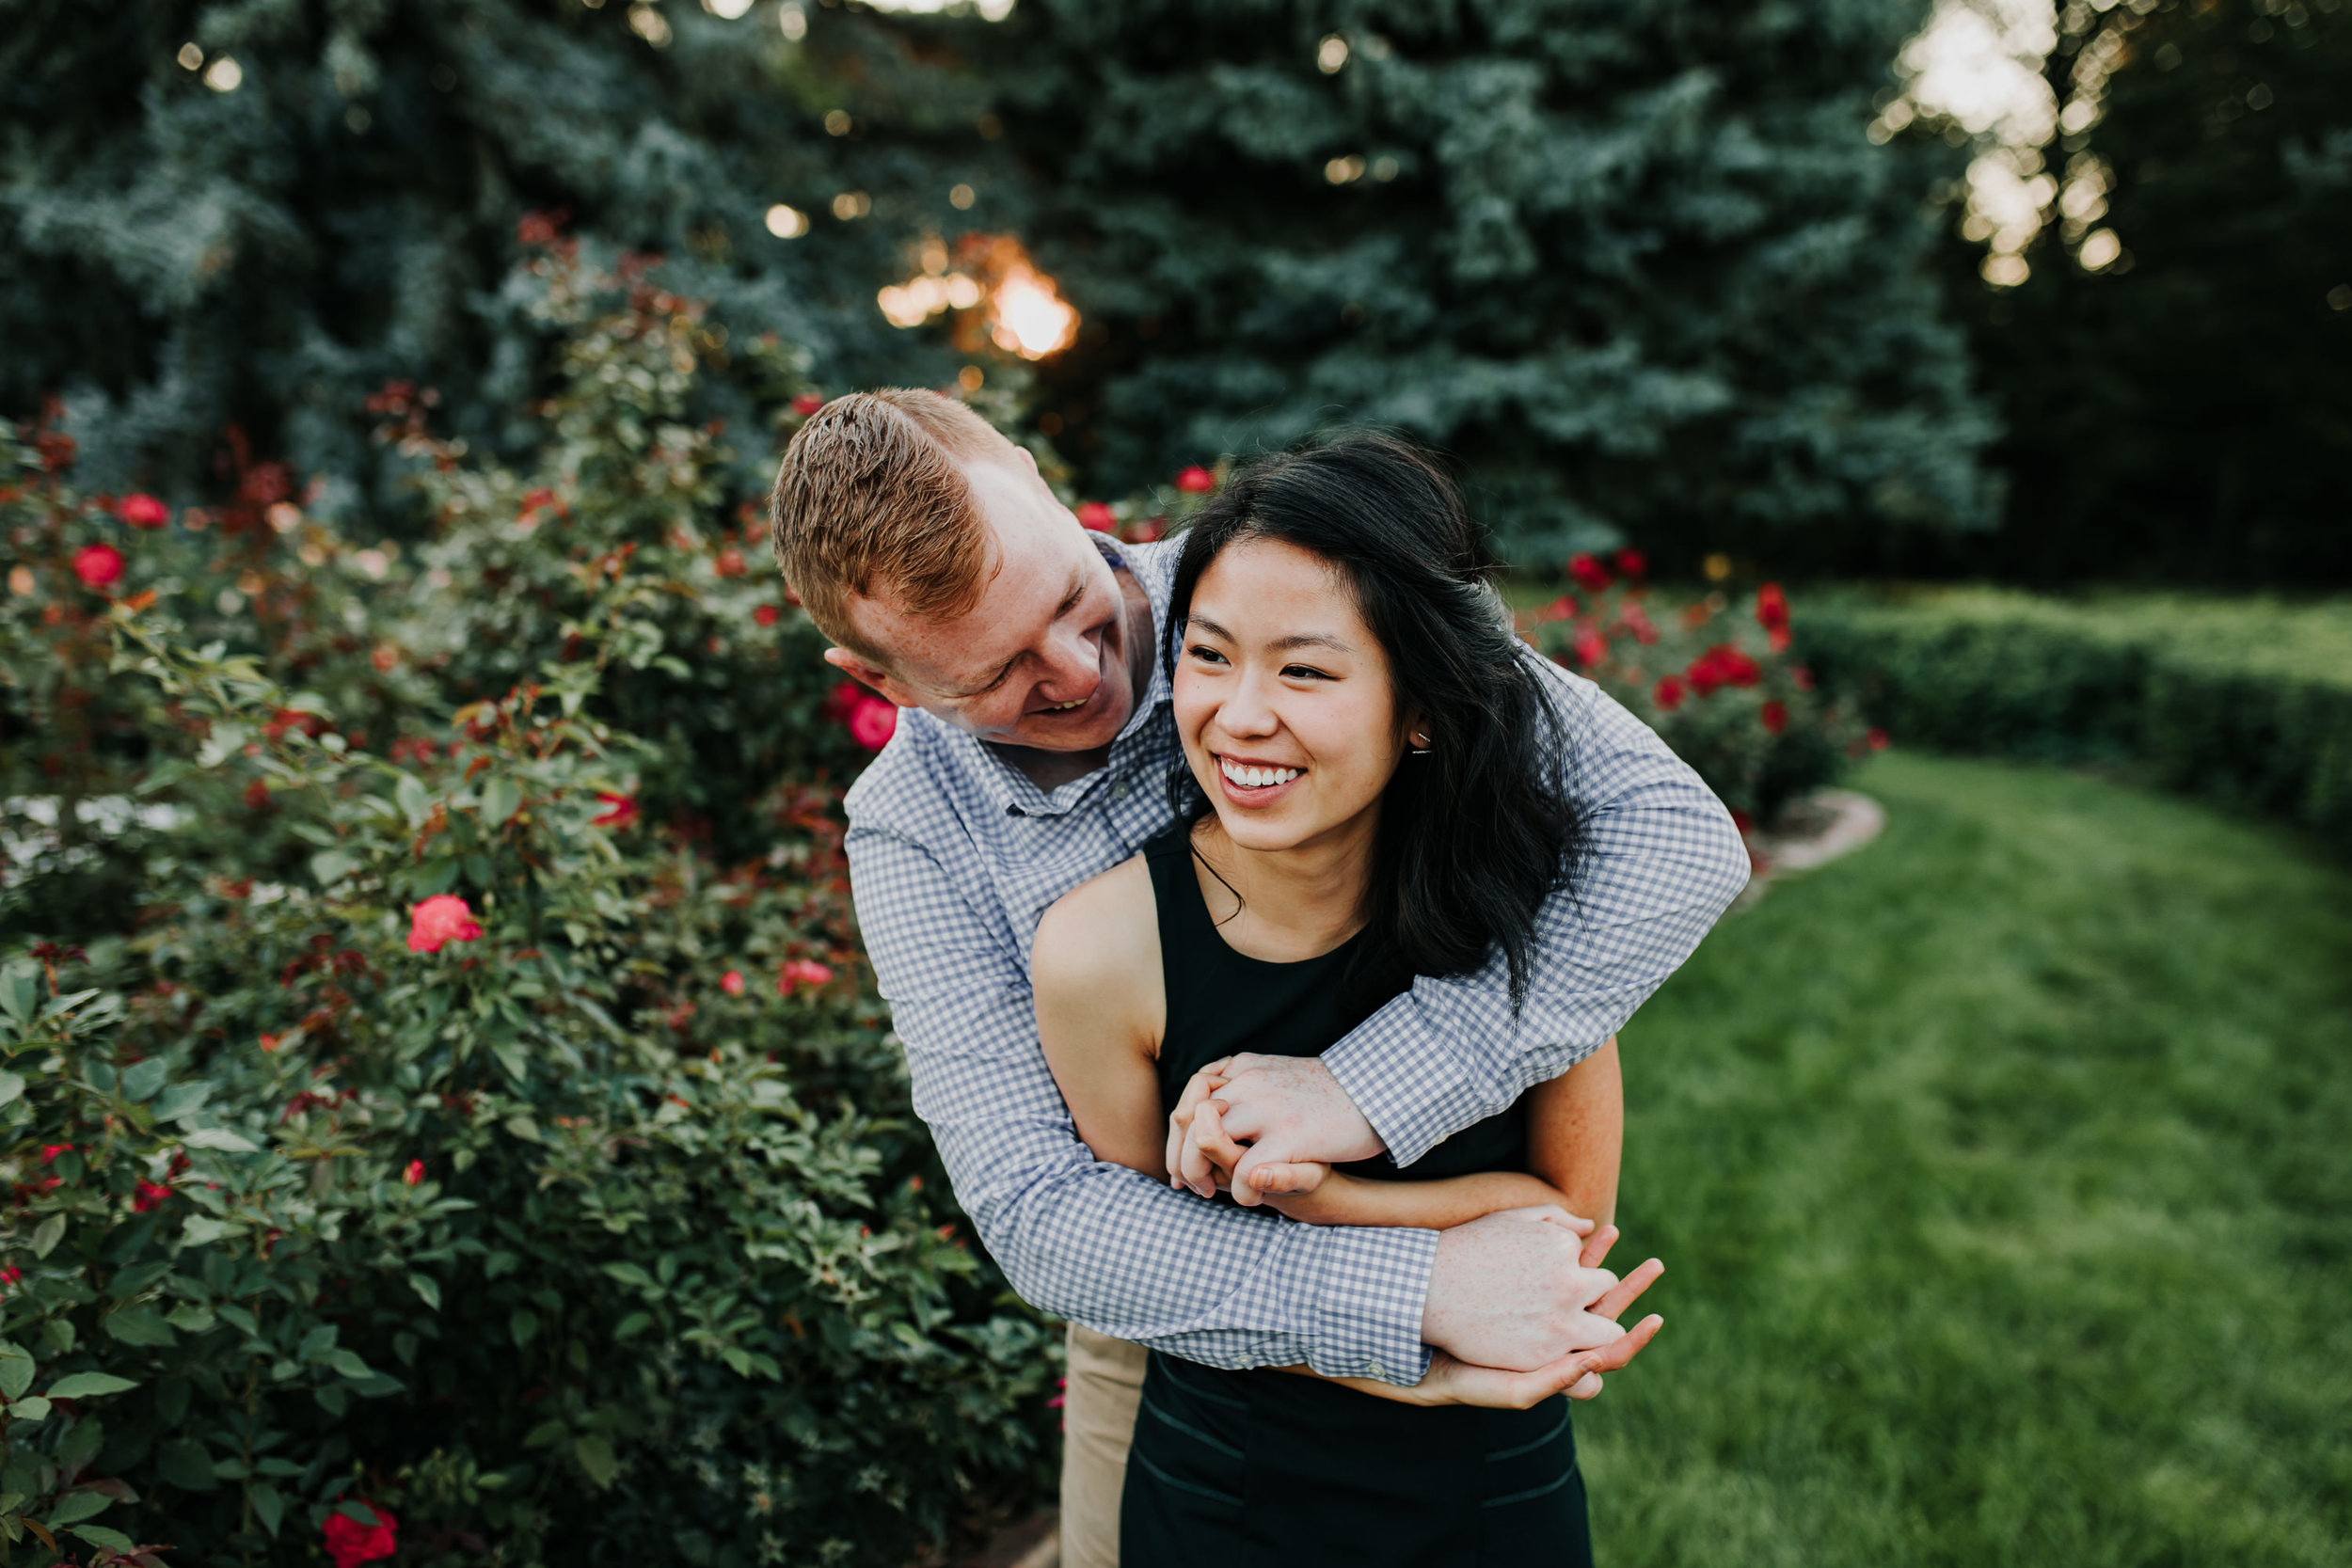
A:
1478, 834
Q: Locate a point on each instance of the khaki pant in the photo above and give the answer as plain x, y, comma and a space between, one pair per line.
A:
1098, 1423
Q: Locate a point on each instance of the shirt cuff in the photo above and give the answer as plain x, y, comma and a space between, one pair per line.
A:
1366, 1319
1415, 1098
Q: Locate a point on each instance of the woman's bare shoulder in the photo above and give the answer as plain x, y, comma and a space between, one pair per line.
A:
1101, 937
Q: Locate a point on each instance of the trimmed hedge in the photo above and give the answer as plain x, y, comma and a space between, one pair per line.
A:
2248, 701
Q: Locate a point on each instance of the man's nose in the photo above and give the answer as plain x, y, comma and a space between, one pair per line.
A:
1074, 660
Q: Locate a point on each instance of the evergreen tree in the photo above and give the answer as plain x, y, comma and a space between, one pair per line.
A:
1637, 266
2173, 368
257, 211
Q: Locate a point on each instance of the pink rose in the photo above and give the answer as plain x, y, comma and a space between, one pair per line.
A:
143, 512
351, 1543
97, 565
801, 972
440, 921
872, 723
732, 982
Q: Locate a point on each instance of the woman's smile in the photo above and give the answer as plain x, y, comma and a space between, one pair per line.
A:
1253, 782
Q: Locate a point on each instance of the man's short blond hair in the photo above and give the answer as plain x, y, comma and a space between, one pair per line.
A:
868, 502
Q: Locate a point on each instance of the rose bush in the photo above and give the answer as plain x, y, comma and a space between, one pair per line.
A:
398, 1159
1721, 688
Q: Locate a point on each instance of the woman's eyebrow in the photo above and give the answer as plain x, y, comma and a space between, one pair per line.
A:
1313, 639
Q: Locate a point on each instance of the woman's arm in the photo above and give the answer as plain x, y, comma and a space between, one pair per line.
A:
1101, 1008
1576, 1133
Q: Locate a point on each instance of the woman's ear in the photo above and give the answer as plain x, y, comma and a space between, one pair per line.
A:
1416, 731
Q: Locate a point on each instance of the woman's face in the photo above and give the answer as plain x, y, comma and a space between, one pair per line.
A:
1284, 698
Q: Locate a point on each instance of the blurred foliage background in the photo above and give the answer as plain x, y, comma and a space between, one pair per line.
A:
445, 1111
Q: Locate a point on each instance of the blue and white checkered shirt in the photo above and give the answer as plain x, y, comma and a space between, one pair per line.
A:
954, 855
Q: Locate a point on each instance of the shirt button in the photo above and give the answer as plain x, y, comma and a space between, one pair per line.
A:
1118, 792
1373, 1368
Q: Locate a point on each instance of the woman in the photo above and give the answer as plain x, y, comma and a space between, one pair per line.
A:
1370, 793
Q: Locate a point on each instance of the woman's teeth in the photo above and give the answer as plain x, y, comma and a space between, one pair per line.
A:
1257, 778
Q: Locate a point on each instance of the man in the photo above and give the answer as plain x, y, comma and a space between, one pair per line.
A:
1032, 755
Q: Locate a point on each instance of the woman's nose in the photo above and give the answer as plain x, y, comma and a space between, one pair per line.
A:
1249, 710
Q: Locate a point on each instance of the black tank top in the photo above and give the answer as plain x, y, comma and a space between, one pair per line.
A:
1267, 1468
1221, 1002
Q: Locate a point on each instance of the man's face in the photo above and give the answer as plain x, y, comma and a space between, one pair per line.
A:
1042, 659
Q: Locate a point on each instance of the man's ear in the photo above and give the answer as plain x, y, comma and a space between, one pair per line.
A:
1029, 457
881, 681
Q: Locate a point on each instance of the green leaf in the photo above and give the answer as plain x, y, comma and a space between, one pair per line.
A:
220, 1138
20, 993
416, 803
112, 1540
11, 1084
542, 1435
427, 1289
47, 1234
191, 1318
202, 1230
500, 799
268, 1506
523, 1324
437, 875
181, 1099
632, 1326
183, 1463
510, 1055
596, 1457
32, 1409
349, 1363
140, 1326
16, 1368
523, 1128
89, 1385
142, 1079
75, 1507
319, 1343
332, 865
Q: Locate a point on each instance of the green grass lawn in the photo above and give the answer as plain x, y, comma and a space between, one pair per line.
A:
2003, 1172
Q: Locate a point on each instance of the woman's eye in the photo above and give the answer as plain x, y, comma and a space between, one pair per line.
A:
1206, 656
1303, 672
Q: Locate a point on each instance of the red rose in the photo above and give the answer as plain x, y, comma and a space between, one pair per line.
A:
97, 565
414, 1174
1590, 575
1669, 693
1094, 515
440, 921
730, 562
148, 1195
732, 982
1772, 607
1802, 677
1775, 717
1877, 738
256, 795
351, 1543
49, 1152
1636, 620
801, 972
807, 404
620, 810
143, 512
766, 615
1592, 648
1196, 481
1634, 564
873, 723
1720, 666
